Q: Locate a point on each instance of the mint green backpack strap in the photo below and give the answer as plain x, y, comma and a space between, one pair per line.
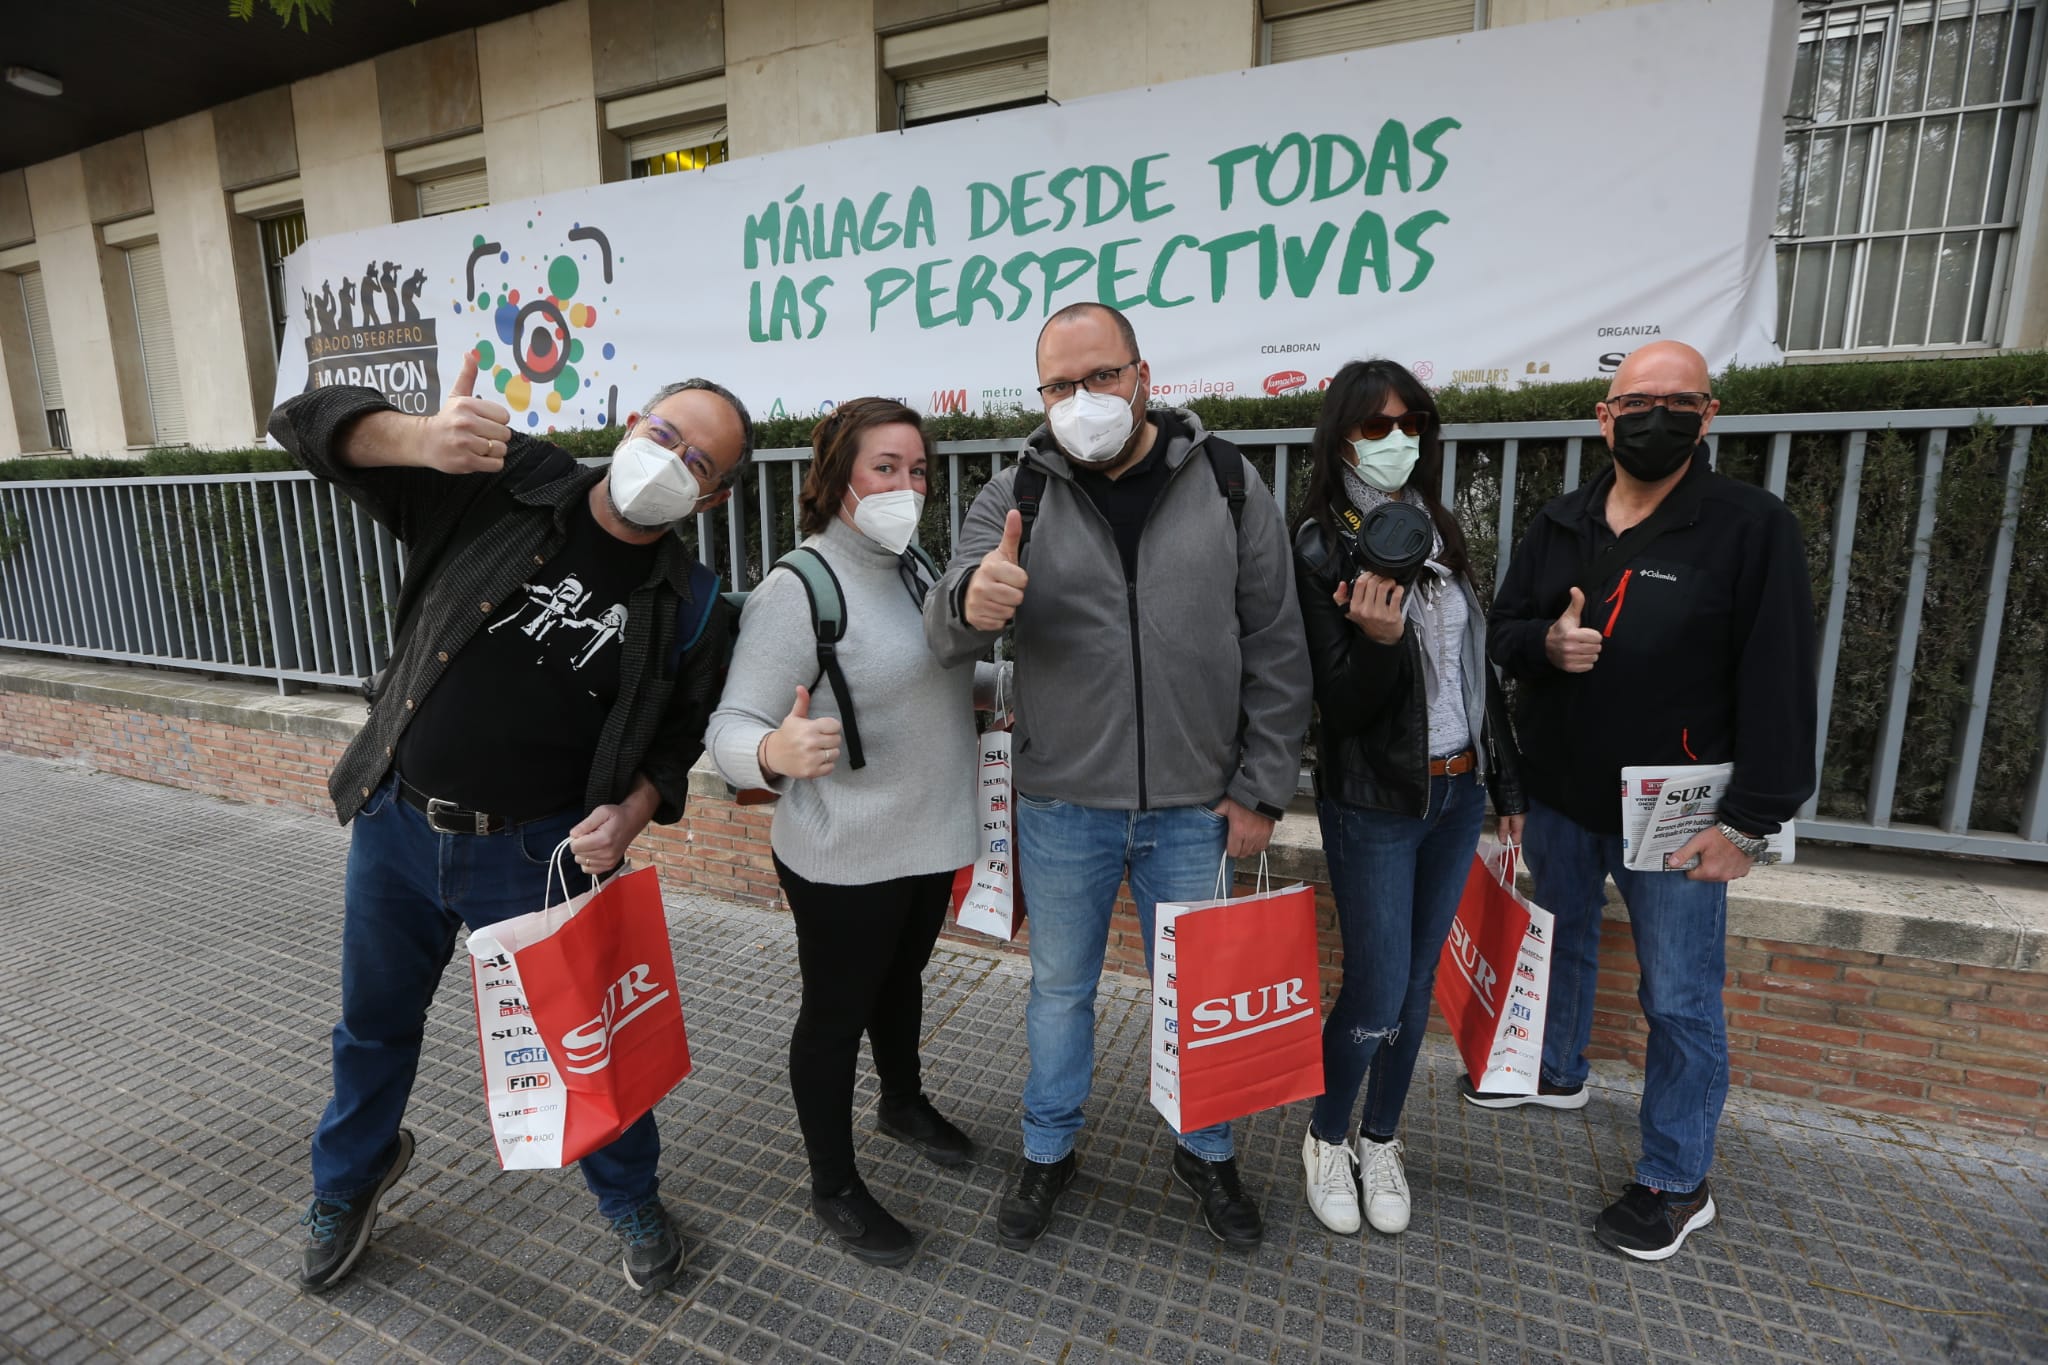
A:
828, 624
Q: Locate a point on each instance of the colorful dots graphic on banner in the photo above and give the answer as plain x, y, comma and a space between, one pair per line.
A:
538, 345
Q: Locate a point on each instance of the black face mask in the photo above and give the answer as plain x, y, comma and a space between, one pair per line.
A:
1653, 445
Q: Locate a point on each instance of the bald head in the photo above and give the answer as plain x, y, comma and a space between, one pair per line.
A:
1662, 367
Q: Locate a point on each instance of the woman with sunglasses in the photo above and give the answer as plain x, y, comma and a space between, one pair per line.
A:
1409, 721
865, 854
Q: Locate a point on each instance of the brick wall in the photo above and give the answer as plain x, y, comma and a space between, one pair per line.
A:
1945, 1042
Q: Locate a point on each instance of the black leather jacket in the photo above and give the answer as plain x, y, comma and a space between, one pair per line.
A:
1372, 718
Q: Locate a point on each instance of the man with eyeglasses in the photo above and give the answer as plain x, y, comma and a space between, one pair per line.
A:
1658, 616
1162, 689
487, 747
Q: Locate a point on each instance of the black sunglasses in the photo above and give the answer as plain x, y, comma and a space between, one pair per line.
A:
1411, 422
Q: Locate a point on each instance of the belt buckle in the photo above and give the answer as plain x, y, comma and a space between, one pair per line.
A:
436, 808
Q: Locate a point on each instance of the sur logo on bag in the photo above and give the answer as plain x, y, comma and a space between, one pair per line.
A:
1251, 1012
588, 1046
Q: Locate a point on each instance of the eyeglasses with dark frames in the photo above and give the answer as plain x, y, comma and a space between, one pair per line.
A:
695, 460
1102, 381
1629, 404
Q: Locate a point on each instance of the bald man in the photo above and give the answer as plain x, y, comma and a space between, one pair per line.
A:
1659, 615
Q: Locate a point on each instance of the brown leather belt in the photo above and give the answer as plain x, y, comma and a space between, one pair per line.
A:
1457, 765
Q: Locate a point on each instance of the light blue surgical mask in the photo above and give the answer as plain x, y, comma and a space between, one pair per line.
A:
1385, 464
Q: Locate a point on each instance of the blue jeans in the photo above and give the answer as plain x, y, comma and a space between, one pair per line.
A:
1070, 861
1397, 880
410, 890
1681, 930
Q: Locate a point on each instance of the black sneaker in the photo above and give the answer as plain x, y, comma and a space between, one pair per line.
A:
1651, 1225
925, 1128
1230, 1213
868, 1230
1023, 1217
1548, 1095
653, 1251
341, 1229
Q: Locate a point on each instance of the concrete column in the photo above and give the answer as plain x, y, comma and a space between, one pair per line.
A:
207, 303
539, 100
342, 166
76, 289
799, 73
1099, 45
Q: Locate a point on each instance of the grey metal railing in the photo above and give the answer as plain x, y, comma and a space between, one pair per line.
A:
276, 576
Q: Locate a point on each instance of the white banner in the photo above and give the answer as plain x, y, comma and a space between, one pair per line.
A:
1514, 206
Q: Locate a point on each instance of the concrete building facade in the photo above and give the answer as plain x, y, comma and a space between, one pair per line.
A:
140, 278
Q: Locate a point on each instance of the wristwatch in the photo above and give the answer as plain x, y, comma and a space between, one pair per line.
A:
1751, 846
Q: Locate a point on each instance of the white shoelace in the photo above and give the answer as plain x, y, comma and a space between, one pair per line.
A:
1333, 1171
1383, 1170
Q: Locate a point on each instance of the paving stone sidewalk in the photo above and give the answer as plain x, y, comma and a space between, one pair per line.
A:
168, 977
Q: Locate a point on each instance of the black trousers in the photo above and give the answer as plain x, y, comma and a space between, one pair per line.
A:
862, 950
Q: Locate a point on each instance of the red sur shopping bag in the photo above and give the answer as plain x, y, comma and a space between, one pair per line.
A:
1236, 1024
1493, 975
580, 1020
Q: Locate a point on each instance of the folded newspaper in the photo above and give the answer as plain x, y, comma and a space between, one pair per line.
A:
1663, 808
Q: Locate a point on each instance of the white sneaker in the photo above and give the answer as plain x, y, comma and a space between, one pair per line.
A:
1332, 1187
1386, 1187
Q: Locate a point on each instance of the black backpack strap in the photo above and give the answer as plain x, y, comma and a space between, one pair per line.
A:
1029, 488
828, 623
1228, 466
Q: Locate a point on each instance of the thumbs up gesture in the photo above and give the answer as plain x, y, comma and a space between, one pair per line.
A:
800, 746
468, 435
997, 588
1571, 646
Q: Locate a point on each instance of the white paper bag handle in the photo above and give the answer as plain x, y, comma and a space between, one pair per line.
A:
1261, 885
556, 874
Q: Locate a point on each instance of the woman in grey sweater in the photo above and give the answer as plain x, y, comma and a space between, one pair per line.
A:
865, 855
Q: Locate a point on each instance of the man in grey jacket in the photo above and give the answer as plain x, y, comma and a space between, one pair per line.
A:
1162, 694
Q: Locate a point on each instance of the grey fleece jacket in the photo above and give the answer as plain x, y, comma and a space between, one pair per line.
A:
1188, 685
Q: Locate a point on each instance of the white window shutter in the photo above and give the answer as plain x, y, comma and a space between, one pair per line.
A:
677, 137
965, 89
39, 339
1374, 23
466, 190
159, 348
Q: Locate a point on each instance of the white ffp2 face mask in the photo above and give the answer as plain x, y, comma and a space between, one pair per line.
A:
650, 484
889, 519
1092, 427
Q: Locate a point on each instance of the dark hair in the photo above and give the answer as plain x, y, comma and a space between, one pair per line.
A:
1083, 309
835, 442
1359, 391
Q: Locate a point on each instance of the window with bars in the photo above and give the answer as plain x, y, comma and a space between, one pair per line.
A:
281, 236
1900, 188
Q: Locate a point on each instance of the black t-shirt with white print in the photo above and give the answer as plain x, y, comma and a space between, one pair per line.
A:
512, 726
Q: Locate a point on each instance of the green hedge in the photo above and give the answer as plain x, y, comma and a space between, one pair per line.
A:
1875, 386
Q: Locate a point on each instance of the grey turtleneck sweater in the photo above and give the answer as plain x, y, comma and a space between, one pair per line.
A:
911, 809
